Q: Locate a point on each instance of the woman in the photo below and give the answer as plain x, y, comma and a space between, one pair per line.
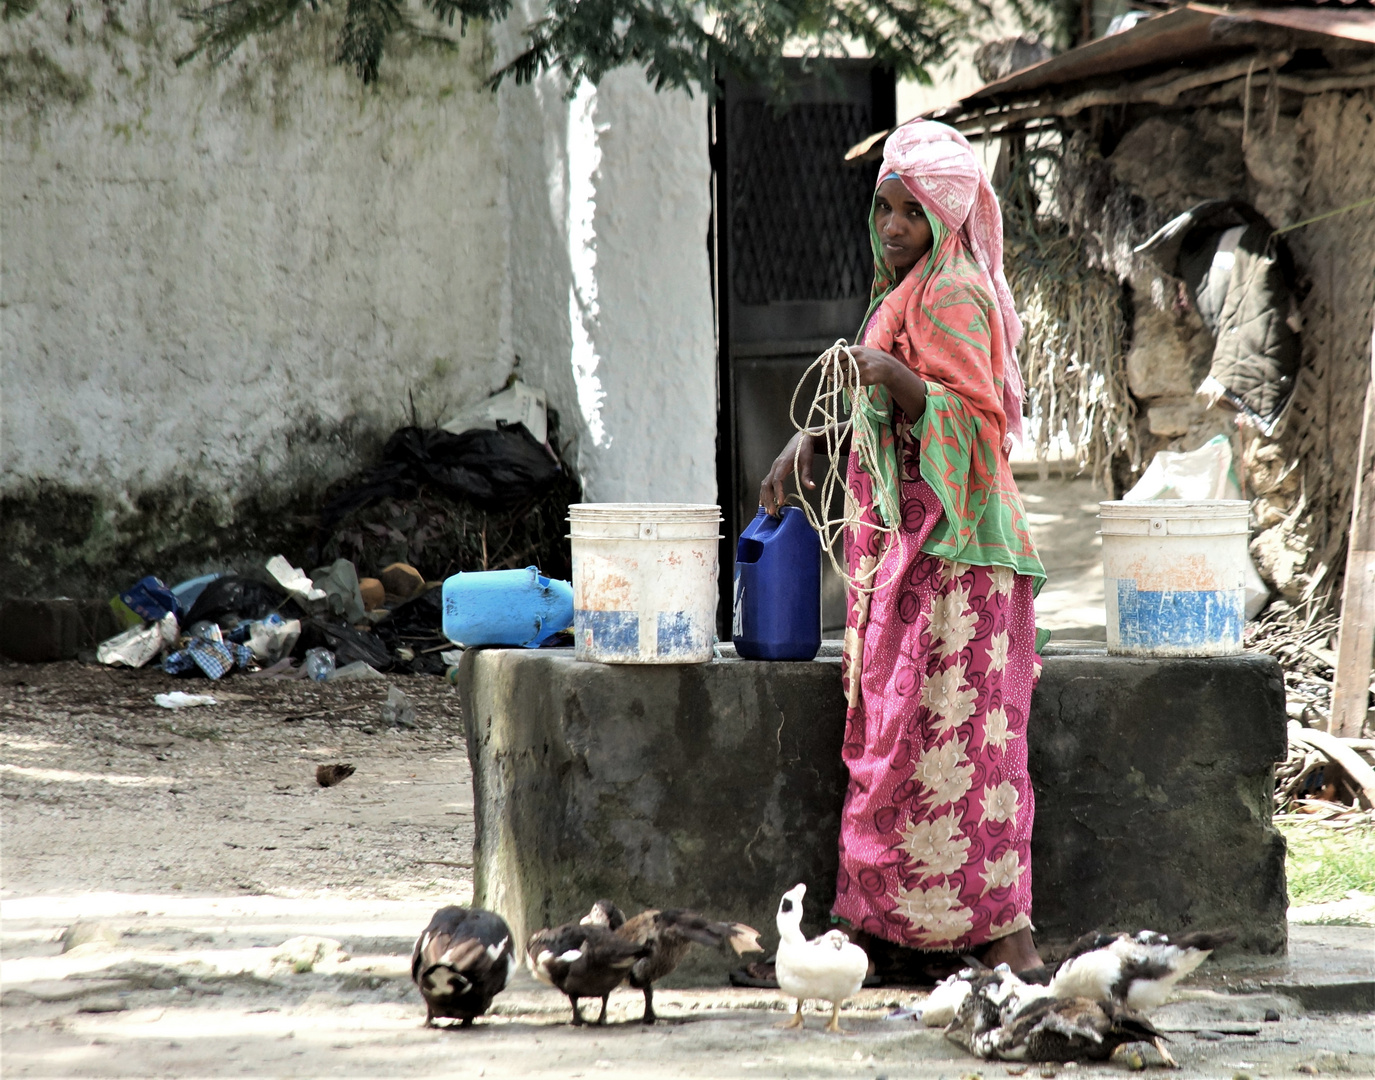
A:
939, 646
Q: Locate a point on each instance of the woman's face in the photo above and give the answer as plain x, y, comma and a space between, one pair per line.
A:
902, 226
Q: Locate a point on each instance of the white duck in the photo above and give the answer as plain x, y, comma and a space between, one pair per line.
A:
829, 968
1132, 971
1000, 994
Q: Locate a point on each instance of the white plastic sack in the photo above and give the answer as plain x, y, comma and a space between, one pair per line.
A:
137, 646
179, 699
517, 404
1194, 475
1205, 473
270, 641
293, 580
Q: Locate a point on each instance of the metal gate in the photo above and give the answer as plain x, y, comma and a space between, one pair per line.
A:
793, 267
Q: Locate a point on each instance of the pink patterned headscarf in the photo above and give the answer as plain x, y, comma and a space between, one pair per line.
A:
939, 168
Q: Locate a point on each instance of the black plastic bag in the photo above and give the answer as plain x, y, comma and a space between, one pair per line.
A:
417, 625
494, 470
345, 642
232, 599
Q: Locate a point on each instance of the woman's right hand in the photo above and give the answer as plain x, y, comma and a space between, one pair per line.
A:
772, 495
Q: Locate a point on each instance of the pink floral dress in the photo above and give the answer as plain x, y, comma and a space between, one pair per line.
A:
938, 672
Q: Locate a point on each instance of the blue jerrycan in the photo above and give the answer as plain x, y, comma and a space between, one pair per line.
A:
506, 607
778, 588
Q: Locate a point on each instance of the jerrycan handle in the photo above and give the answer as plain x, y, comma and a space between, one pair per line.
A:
750, 548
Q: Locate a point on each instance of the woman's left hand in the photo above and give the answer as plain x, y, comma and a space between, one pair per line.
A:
876, 367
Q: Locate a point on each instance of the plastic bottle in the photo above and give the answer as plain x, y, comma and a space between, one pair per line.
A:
506, 607
319, 664
778, 588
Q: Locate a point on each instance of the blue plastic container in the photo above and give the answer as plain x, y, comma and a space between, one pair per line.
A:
778, 588
506, 607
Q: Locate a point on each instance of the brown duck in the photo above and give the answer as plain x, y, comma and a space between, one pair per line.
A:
667, 935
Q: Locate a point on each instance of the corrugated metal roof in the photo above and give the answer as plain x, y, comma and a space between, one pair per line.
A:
1174, 37
1178, 35
1178, 38
1354, 25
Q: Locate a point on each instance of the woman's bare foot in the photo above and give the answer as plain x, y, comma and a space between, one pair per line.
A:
1016, 950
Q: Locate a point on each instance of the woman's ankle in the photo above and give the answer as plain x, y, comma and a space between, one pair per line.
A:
1016, 950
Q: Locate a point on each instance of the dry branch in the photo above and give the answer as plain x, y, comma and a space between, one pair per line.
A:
1336, 751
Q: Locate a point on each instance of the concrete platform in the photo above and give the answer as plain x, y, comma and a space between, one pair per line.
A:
718, 786
1326, 969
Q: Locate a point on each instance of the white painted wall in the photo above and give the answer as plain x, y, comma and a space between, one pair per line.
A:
236, 278
205, 271
610, 205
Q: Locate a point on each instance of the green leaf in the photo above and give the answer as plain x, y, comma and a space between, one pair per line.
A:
228, 24
679, 44
16, 9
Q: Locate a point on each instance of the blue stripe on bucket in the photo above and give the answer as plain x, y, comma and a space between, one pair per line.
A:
1178, 617
679, 633
609, 632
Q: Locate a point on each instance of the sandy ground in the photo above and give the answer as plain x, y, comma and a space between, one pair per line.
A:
191, 846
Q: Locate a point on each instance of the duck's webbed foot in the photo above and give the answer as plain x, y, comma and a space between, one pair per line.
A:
834, 1026
649, 1016
606, 1000
1165, 1056
795, 1021
577, 1012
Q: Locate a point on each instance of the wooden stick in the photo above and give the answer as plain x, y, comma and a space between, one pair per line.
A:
1356, 635
1362, 775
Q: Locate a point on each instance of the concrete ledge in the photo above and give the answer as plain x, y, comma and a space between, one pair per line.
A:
713, 786
1154, 782
717, 786
1326, 969
37, 631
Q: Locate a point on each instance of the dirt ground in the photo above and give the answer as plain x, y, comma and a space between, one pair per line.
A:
193, 848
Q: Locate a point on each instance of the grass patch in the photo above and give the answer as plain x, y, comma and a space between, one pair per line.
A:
201, 734
1324, 865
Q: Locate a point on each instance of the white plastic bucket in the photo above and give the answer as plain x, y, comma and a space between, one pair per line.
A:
644, 582
1174, 576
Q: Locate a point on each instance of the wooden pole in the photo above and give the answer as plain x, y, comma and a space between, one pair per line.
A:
1356, 637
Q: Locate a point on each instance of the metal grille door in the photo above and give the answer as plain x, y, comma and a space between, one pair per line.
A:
794, 203
793, 265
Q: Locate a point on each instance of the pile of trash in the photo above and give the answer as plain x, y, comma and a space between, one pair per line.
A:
328, 625
486, 491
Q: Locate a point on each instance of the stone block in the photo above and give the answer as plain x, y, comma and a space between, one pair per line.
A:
1173, 418
712, 786
718, 786
1154, 783
36, 631
1169, 356
1178, 161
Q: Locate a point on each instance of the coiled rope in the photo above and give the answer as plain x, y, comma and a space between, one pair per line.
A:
838, 388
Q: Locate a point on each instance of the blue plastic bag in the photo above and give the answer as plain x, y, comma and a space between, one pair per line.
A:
150, 599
